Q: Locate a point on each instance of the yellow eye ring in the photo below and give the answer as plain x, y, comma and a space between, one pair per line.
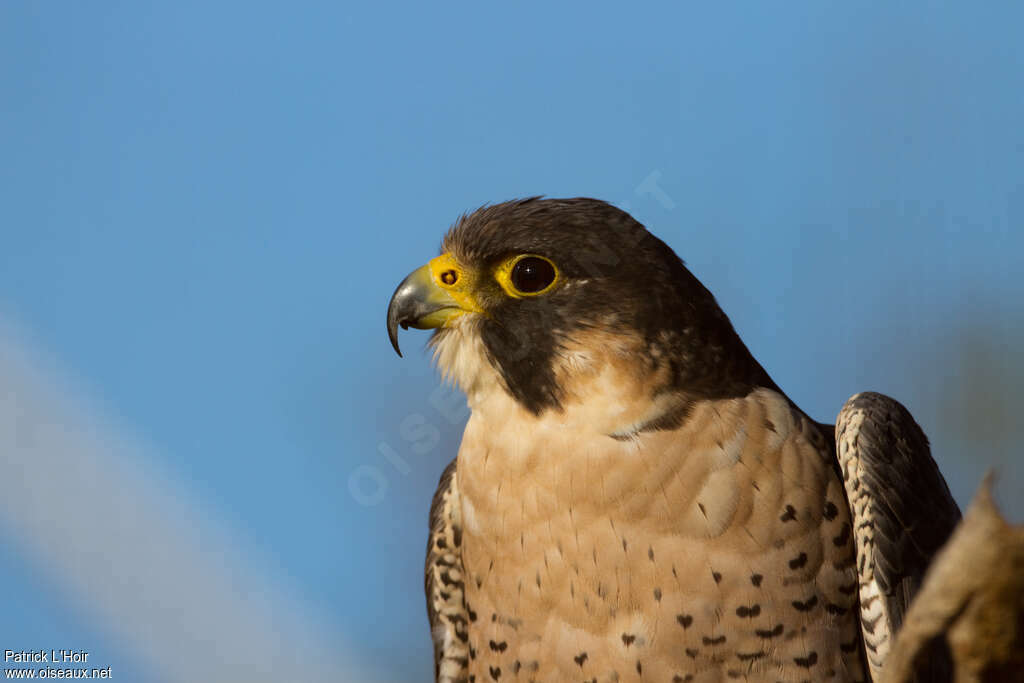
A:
527, 275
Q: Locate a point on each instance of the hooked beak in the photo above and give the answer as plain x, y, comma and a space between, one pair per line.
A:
424, 301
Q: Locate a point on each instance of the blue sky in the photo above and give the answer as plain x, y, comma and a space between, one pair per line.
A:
205, 207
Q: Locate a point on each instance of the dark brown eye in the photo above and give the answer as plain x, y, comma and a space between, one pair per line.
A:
531, 274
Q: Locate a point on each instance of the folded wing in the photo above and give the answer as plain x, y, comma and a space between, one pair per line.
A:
902, 513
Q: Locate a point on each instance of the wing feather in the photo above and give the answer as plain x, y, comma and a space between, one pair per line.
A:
902, 511
446, 608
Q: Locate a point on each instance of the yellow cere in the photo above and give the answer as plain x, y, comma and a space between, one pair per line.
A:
503, 274
456, 281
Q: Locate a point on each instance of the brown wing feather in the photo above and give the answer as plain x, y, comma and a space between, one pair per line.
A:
902, 512
446, 607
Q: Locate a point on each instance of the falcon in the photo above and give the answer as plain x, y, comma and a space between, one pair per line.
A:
634, 498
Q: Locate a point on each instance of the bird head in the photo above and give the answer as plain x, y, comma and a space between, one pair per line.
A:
530, 294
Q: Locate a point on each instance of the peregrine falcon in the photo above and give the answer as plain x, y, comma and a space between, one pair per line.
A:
634, 498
